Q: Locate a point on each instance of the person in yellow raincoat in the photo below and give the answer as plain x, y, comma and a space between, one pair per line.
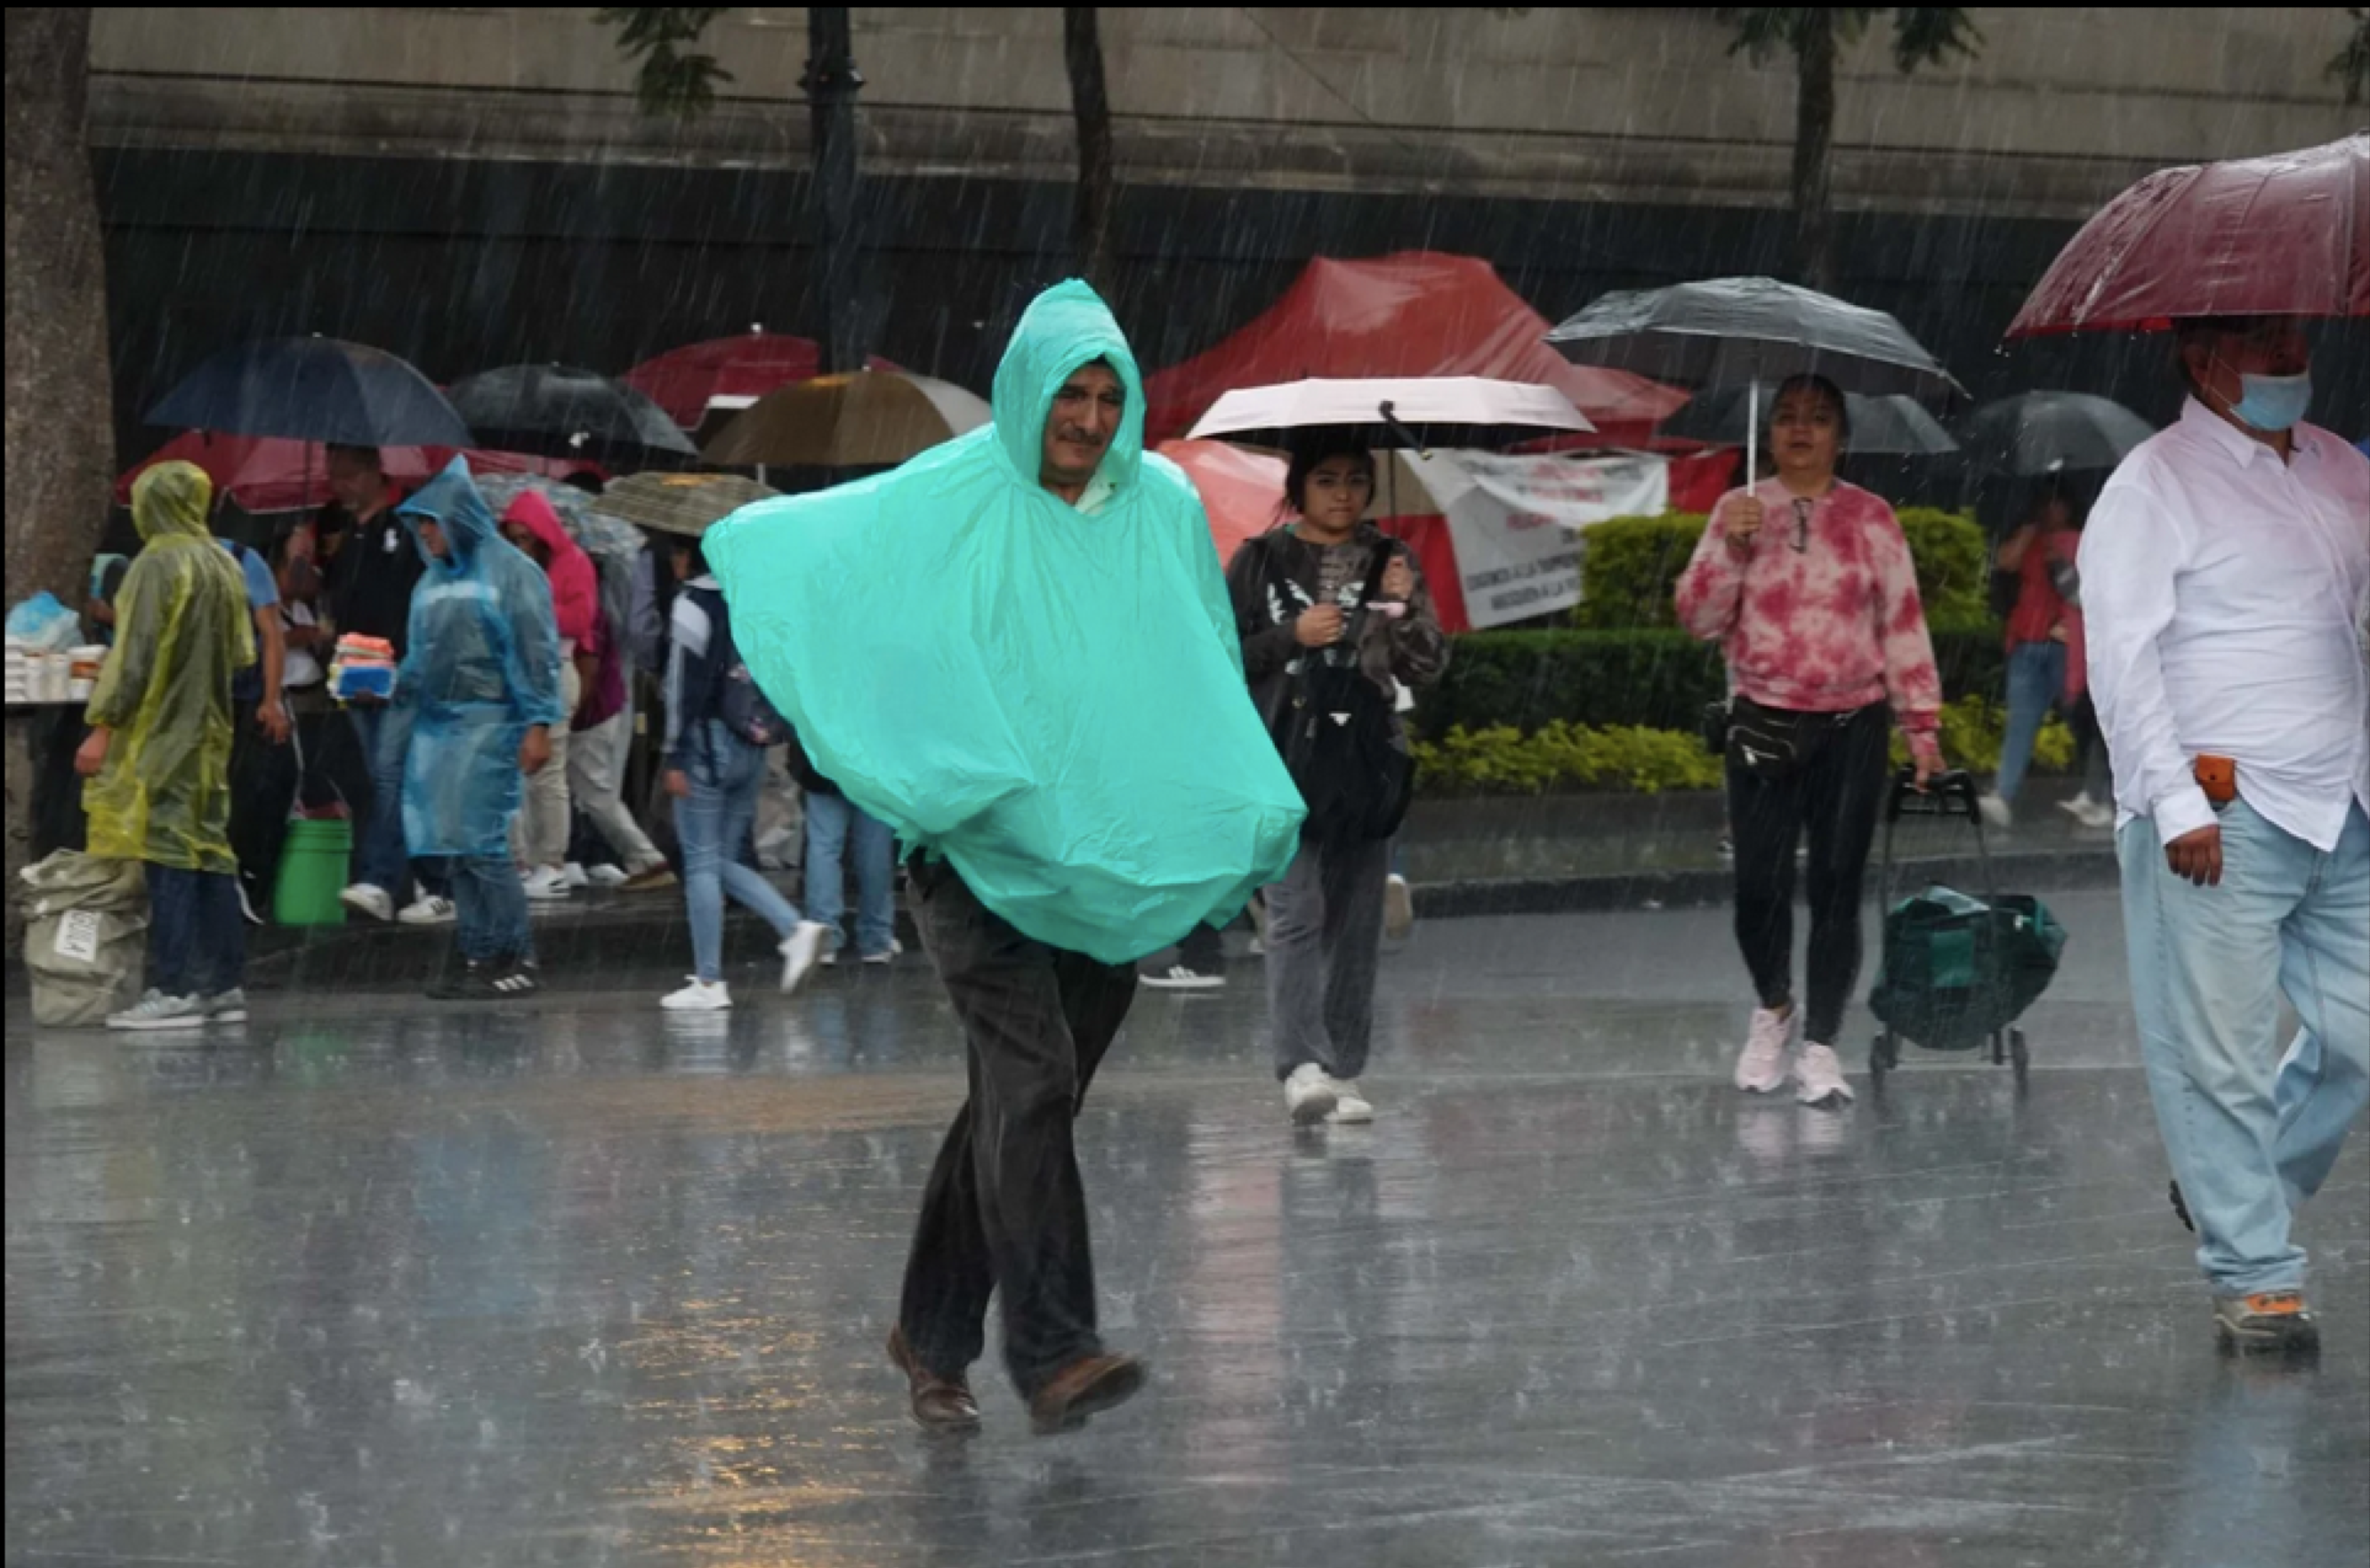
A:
158, 756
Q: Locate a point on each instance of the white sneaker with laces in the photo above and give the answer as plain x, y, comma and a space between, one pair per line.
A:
544, 883
225, 1006
606, 876
575, 876
699, 996
2087, 812
800, 950
1820, 1078
428, 910
365, 899
1349, 1106
1308, 1094
158, 1011
1762, 1069
1398, 908
1997, 812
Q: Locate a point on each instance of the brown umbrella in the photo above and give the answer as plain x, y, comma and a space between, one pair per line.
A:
866, 420
678, 503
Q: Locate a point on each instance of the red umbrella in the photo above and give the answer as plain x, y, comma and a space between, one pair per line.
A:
2287, 234
684, 381
265, 474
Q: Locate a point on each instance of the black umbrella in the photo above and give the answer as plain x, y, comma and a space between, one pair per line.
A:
557, 411
313, 389
2038, 433
1892, 426
1748, 332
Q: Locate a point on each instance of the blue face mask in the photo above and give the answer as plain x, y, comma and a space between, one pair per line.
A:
2273, 403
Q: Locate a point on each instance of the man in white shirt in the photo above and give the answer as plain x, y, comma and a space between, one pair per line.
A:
2223, 577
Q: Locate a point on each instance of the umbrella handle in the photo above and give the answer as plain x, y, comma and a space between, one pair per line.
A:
1752, 433
1391, 423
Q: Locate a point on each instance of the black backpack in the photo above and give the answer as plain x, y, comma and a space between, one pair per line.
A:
740, 703
1335, 730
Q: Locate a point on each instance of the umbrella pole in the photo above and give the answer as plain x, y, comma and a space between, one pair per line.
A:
1752, 433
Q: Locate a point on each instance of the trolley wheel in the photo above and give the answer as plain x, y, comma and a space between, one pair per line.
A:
2019, 1056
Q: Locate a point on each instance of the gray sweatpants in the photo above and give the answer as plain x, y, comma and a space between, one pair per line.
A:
1324, 947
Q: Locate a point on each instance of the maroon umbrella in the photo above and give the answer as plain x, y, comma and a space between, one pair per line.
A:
2287, 235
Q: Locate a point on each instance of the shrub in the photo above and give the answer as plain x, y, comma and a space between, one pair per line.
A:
1503, 761
1975, 730
1631, 569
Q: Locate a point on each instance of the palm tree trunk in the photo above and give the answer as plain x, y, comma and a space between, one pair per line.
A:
61, 452
1082, 50
1815, 136
831, 85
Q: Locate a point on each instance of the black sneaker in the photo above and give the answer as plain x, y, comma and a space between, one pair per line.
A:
1180, 977
502, 981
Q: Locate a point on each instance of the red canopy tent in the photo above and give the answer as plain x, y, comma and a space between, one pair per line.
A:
684, 381
266, 473
1414, 314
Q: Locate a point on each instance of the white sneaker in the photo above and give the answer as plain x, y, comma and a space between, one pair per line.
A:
1308, 1094
800, 950
1350, 1108
225, 1006
546, 883
1398, 908
1762, 1069
365, 899
1821, 1078
575, 876
428, 910
606, 876
2087, 812
158, 1011
699, 996
1997, 812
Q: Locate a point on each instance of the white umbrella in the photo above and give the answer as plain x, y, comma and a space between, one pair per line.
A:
1467, 411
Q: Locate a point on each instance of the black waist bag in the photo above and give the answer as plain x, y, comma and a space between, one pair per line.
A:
1774, 743
1336, 734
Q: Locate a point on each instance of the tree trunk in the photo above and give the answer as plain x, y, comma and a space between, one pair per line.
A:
1815, 136
1082, 50
61, 450
831, 85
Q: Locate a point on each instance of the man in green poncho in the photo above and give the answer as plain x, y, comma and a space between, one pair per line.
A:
1017, 651
158, 756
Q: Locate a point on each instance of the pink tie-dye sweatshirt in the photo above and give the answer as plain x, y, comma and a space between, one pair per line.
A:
1828, 627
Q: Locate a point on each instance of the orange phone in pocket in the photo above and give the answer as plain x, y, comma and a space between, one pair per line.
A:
2218, 777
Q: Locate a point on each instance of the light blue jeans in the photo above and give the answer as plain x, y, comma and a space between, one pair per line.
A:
2036, 678
727, 775
2251, 1133
836, 829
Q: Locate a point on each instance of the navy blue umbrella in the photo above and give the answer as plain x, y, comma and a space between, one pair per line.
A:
313, 389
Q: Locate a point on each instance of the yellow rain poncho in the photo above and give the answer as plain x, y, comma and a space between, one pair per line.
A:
181, 631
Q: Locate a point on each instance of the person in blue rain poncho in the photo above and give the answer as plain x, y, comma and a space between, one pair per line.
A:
474, 700
1017, 651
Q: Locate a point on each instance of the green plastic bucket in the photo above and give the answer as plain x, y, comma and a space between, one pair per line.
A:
313, 871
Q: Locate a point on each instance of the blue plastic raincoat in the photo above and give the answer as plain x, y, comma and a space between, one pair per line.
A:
481, 666
183, 630
1049, 698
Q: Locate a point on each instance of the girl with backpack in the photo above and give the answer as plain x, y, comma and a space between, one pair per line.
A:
719, 728
1334, 619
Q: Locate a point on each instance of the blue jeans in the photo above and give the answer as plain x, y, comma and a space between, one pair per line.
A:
2251, 1132
727, 776
489, 908
2036, 677
197, 935
380, 858
834, 828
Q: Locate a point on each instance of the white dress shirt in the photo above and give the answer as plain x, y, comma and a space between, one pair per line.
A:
2221, 589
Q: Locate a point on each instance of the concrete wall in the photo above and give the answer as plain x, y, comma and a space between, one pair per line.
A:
2062, 108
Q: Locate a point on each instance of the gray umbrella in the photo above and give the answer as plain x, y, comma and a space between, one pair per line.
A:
1892, 426
558, 411
1749, 332
2038, 433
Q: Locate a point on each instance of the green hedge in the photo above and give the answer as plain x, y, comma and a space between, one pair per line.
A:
1657, 680
1631, 565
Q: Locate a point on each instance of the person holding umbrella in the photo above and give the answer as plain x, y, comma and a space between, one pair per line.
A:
1808, 585
2224, 577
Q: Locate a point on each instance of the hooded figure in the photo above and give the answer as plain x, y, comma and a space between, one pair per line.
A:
575, 587
1047, 697
480, 666
182, 632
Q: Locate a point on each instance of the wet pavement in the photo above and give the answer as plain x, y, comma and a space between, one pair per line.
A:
370, 1281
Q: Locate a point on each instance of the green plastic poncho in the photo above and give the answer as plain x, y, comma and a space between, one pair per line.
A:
1051, 700
481, 666
182, 631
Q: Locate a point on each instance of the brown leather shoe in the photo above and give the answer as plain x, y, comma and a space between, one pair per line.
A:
940, 1404
1088, 1386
